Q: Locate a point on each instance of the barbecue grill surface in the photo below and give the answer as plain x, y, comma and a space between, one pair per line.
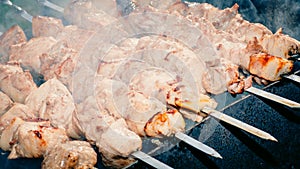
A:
238, 148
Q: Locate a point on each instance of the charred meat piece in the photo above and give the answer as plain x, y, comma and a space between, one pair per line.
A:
53, 101
12, 36
16, 83
33, 139
269, 67
70, 154
6, 103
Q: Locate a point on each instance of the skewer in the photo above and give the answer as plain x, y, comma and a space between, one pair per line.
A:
294, 78
22, 12
51, 5
237, 123
150, 160
230, 120
273, 97
197, 144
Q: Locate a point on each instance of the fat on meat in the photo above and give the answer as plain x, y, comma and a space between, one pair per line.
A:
14, 35
53, 101
16, 83
33, 139
6, 103
71, 154
112, 137
46, 26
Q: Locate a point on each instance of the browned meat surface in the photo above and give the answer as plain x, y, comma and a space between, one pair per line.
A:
53, 101
32, 139
113, 138
6, 103
16, 83
12, 36
263, 65
70, 154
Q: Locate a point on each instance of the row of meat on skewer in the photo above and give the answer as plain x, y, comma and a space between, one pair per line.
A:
112, 80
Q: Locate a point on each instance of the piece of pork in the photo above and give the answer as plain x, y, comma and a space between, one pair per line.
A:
6, 103
29, 53
16, 83
70, 154
112, 137
6, 137
83, 14
14, 35
53, 101
46, 26
17, 110
33, 139
137, 109
229, 20
231, 47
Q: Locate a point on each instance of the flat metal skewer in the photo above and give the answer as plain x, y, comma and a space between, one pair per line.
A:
23, 13
237, 123
230, 120
51, 5
197, 144
273, 97
294, 78
150, 160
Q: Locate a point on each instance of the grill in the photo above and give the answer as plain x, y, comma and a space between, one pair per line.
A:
238, 148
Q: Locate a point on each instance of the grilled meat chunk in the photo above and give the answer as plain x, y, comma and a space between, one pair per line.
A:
269, 67
29, 53
70, 154
113, 138
33, 139
46, 26
83, 14
17, 110
6, 103
12, 36
53, 101
16, 83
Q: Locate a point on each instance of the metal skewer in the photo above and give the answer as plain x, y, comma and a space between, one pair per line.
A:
51, 5
273, 97
22, 12
197, 144
294, 78
230, 120
237, 123
150, 160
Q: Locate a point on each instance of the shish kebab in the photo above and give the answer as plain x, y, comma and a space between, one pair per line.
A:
286, 41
